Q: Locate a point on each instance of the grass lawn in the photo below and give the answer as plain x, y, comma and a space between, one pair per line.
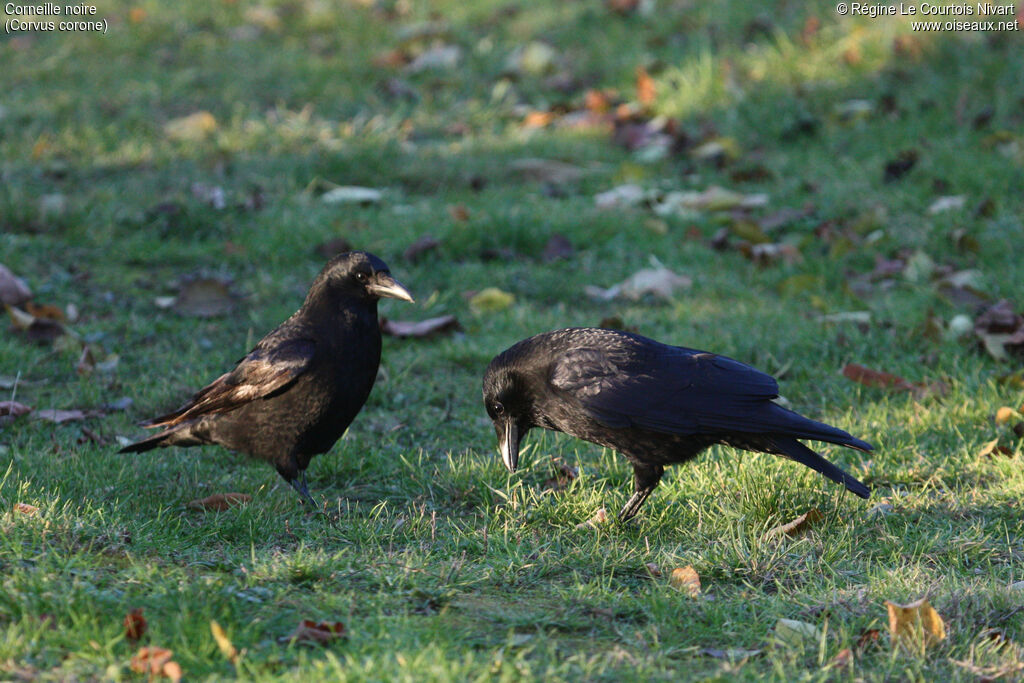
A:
441, 565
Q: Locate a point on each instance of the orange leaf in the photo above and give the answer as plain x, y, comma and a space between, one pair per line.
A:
686, 580
26, 509
1004, 415
172, 670
219, 501
646, 91
884, 380
842, 659
538, 119
134, 624
915, 622
458, 212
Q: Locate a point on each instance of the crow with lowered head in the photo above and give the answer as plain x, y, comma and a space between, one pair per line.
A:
656, 404
295, 394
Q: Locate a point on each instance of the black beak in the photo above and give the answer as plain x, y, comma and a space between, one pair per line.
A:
384, 285
508, 442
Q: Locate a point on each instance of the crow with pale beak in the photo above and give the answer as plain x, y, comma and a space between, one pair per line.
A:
297, 391
656, 404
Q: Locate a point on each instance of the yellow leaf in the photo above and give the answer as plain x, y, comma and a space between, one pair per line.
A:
192, 127
491, 300
223, 642
686, 580
917, 622
600, 517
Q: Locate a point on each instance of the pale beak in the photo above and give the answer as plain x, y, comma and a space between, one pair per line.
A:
508, 443
386, 286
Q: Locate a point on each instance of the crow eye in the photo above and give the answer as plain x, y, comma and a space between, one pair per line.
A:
362, 277
498, 409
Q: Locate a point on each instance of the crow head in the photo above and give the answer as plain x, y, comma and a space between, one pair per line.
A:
356, 276
509, 404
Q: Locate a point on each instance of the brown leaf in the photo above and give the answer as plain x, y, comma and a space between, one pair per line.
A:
134, 625
219, 501
420, 329
538, 119
310, 632
1000, 329
843, 659
332, 247
204, 297
884, 380
391, 59
868, 637
558, 247
458, 212
42, 331
172, 670
686, 579
423, 245
916, 622
13, 409
86, 361
646, 90
564, 475
798, 525
26, 509
992, 447
13, 290
654, 569
900, 166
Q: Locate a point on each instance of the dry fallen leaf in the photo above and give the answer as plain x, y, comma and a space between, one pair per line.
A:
1005, 414
310, 632
842, 659
658, 281
491, 300
223, 642
351, 194
219, 501
1000, 329
791, 632
156, 661
60, 416
423, 245
686, 579
191, 128
13, 409
204, 297
801, 523
13, 290
26, 509
646, 90
600, 517
558, 247
992, 447
654, 569
915, 623
420, 329
884, 380
134, 625
458, 212
868, 637
41, 331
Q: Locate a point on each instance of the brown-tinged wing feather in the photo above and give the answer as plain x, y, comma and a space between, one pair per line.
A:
261, 373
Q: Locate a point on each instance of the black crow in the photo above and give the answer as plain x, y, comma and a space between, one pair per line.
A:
654, 403
296, 393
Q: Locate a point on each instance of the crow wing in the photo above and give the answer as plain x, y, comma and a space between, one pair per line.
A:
265, 370
622, 381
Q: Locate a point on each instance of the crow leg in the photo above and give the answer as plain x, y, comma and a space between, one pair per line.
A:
645, 478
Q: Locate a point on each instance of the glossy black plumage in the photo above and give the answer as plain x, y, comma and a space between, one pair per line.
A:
297, 391
654, 403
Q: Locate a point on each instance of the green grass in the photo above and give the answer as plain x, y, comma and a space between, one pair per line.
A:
441, 565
